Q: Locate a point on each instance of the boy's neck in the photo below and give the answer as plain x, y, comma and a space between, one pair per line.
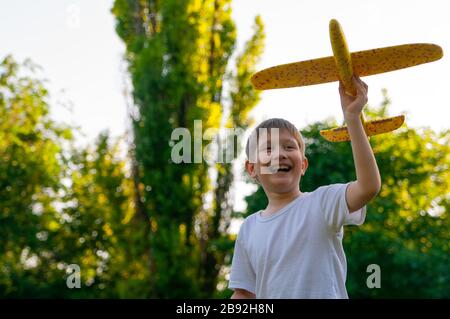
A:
278, 200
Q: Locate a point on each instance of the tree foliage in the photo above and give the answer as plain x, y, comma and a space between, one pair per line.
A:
179, 55
60, 204
30, 171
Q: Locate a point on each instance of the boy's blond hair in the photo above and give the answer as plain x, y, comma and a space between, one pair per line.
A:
280, 124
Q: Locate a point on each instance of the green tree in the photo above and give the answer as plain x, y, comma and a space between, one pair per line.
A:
406, 228
60, 204
178, 54
30, 171
98, 229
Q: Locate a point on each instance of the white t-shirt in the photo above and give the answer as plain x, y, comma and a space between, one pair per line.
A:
296, 252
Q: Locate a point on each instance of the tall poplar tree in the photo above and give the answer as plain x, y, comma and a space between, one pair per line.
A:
179, 55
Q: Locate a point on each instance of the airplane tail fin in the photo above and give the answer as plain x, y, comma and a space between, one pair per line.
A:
340, 134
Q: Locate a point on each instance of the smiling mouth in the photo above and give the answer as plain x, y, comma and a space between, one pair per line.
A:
280, 168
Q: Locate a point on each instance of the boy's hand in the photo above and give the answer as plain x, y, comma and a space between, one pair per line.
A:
368, 180
353, 105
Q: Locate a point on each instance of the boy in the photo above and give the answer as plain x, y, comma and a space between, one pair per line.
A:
293, 248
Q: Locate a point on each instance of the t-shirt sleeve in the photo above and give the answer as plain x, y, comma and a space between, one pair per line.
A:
242, 274
335, 208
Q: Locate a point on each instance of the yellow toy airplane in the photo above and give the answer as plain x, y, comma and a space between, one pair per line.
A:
341, 66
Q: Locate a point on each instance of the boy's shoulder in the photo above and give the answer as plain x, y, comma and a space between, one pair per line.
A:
330, 188
248, 224
250, 219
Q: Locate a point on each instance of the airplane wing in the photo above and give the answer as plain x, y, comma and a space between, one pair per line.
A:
368, 62
388, 59
375, 127
303, 73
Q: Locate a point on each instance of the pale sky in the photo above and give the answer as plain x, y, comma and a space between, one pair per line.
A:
80, 53
76, 45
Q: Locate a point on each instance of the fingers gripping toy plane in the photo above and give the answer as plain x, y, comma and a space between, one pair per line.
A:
341, 66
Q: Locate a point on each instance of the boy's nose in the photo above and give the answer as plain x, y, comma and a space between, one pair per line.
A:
282, 151
278, 152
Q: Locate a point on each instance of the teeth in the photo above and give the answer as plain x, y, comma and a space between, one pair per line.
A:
274, 168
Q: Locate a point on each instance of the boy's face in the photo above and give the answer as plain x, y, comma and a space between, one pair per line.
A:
279, 162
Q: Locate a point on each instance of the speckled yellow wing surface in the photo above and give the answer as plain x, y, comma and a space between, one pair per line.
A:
389, 59
340, 134
303, 73
368, 62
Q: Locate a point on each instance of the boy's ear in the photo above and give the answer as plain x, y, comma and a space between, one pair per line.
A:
304, 165
250, 169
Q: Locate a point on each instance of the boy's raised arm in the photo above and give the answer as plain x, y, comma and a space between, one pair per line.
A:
368, 180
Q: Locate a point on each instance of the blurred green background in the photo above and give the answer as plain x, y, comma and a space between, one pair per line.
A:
140, 226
